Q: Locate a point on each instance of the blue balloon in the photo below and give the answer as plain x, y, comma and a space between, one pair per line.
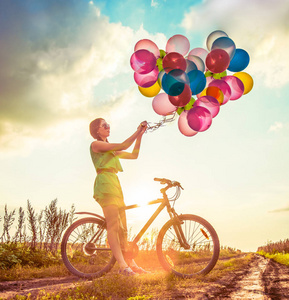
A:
197, 81
174, 82
239, 61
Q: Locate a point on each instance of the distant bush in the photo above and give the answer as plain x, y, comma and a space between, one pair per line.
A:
37, 237
277, 247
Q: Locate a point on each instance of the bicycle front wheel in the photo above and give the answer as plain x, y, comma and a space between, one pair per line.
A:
85, 250
197, 253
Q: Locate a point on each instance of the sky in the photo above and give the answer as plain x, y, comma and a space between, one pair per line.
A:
65, 63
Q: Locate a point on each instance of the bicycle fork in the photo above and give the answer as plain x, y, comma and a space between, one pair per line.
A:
178, 229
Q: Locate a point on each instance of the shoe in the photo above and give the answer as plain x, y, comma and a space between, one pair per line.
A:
139, 270
127, 272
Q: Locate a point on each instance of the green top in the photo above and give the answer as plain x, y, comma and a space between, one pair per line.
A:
105, 160
107, 189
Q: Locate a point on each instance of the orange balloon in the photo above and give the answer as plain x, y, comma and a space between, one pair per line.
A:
214, 92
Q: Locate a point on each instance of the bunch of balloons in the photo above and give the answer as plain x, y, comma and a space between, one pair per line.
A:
194, 83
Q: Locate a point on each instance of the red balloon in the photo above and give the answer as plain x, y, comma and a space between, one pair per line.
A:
218, 60
199, 118
174, 60
183, 98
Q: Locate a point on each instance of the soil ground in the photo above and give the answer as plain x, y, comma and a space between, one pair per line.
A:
261, 279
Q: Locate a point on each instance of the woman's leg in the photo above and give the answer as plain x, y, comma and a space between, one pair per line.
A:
111, 214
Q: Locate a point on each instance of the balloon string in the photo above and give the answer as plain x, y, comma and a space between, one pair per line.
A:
167, 119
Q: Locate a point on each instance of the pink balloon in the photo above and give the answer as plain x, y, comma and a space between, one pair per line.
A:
183, 125
147, 45
162, 105
199, 118
218, 60
173, 61
178, 43
200, 52
236, 85
142, 61
210, 103
183, 98
224, 87
146, 80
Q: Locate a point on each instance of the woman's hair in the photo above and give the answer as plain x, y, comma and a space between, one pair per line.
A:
93, 128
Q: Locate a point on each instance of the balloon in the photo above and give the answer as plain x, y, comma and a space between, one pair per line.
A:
190, 66
213, 91
247, 81
213, 36
160, 77
150, 91
197, 61
217, 60
199, 118
162, 105
146, 80
174, 60
183, 98
224, 87
142, 61
240, 61
226, 44
236, 85
178, 43
174, 82
148, 45
200, 52
183, 125
197, 81
210, 103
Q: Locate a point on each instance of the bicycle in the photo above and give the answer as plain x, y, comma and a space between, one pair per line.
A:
187, 245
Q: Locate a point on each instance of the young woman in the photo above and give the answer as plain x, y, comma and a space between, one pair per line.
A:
107, 189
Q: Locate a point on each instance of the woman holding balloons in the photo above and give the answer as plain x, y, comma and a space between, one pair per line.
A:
107, 189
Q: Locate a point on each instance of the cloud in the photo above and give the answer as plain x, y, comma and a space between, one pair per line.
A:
277, 126
280, 210
259, 27
57, 59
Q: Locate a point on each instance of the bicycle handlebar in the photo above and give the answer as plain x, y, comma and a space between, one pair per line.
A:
168, 182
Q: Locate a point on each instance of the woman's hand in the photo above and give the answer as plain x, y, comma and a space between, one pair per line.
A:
143, 127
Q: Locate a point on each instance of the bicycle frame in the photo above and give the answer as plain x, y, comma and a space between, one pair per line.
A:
172, 214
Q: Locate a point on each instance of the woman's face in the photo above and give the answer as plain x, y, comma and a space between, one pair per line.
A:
104, 129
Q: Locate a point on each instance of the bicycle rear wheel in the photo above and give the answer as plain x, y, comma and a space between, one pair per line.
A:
85, 250
202, 243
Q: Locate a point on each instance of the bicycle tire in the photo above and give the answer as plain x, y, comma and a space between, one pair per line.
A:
83, 257
204, 249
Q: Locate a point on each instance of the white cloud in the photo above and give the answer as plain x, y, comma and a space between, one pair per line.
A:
259, 27
59, 70
277, 126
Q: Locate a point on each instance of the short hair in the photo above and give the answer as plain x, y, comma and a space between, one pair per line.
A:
93, 128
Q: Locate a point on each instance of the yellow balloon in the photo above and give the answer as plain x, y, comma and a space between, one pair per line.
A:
247, 81
150, 91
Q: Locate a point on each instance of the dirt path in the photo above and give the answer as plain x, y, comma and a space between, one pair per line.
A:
262, 279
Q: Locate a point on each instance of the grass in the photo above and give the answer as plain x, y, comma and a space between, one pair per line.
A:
282, 258
157, 285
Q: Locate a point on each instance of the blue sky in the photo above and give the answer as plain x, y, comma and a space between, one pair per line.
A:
64, 63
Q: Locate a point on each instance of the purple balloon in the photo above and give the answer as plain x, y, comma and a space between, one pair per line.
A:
143, 61
197, 61
236, 85
146, 80
162, 105
226, 44
199, 118
210, 103
224, 87
183, 125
